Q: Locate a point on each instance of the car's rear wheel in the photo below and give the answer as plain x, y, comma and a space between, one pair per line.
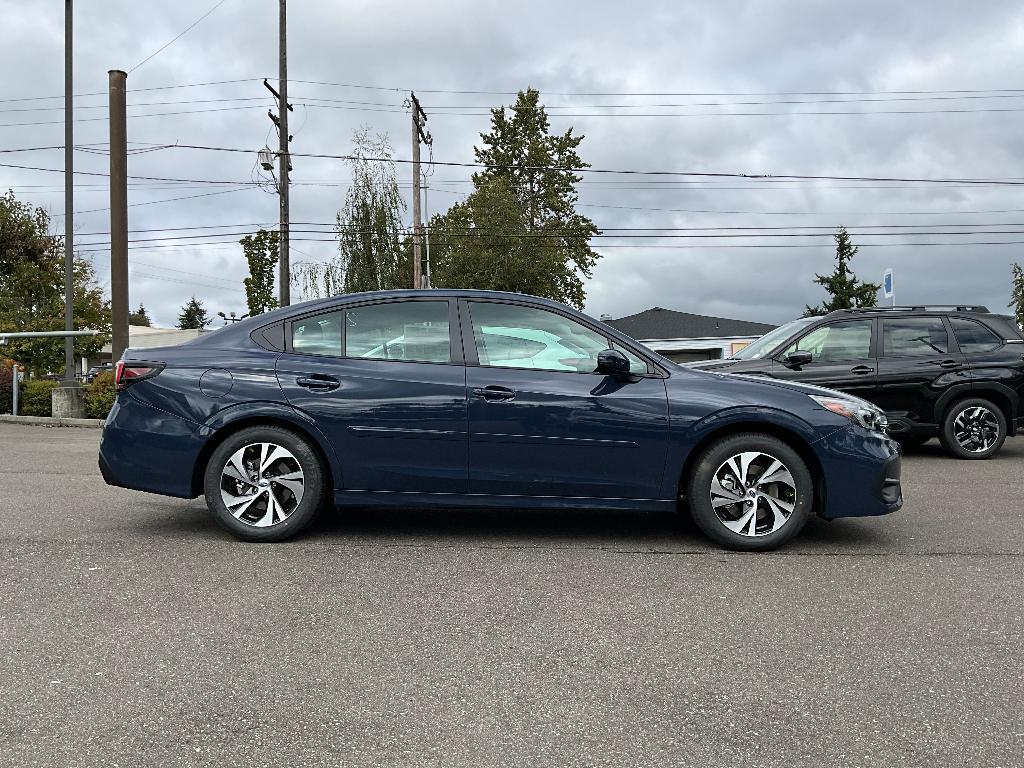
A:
264, 483
973, 429
750, 492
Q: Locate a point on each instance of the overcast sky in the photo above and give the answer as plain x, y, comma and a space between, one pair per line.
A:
366, 56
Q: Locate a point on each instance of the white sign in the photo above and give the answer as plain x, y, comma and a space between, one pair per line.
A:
887, 285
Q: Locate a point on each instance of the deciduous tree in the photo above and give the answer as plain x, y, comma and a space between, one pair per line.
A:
262, 253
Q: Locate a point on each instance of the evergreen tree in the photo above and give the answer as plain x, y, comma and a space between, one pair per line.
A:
369, 227
519, 229
32, 290
1017, 296
139, 317
844, 289
193, 315
262, 253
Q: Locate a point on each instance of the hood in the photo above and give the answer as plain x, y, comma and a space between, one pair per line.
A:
732, 365
768, 381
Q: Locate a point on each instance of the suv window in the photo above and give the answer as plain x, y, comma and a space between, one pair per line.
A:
849, 340
974, 337
914, 337
317, 335
512, 336
399, 330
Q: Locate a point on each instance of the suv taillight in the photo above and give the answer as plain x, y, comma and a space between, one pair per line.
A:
128, 373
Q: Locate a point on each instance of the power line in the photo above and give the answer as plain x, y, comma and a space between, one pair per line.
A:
178, 36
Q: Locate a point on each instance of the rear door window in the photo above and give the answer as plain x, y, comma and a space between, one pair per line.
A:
973, 337
399, 330
914, 337
318, 334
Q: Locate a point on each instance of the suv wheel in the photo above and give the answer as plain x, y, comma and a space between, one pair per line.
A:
973, 429
264, 484
750, 492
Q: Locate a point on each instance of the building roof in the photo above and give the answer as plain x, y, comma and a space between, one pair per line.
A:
659, 323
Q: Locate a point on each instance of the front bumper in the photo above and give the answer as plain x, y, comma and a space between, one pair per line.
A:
862, 472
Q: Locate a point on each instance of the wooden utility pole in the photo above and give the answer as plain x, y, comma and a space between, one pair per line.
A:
282, 156
118, 214
69, 199
419, 120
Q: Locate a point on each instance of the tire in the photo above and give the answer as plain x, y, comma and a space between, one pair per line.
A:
911, 442
974, 428
239, 496
771, 525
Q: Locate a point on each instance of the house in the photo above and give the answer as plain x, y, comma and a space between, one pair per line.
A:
684, 337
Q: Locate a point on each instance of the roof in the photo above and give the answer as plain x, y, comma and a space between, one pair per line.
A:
659, 323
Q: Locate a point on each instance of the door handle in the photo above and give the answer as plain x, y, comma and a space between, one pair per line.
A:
318, 383
947, 364
494, 393
862, 370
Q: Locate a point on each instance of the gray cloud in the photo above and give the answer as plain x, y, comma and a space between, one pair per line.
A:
666, 46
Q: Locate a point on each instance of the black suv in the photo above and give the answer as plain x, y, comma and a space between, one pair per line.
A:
952, 372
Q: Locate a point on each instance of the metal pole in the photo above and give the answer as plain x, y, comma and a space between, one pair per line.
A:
118, 215
14, 390
417, 263
69, 198
426, 234
282, 86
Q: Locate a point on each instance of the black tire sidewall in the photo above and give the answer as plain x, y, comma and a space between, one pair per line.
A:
949, 441
699, 486
314, 490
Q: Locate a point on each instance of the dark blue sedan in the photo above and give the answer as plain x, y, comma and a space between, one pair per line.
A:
474, 398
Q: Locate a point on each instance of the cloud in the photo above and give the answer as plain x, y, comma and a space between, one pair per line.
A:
593, 47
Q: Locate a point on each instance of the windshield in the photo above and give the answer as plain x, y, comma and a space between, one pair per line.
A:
762, 346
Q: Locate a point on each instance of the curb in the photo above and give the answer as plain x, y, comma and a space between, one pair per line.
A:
50, 421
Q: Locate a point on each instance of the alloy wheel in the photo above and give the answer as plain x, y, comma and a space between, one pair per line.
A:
262, 484
753, 493
976, 429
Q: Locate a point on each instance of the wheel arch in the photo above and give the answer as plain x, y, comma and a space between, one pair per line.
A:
278, 417
789, 436
1004, 398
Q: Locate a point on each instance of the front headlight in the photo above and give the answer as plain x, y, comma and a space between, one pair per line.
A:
864, 414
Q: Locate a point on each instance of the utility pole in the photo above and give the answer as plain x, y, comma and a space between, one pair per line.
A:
419, 121
285, 163
69, 199
118, 214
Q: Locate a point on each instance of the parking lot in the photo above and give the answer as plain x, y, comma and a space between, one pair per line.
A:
135, 632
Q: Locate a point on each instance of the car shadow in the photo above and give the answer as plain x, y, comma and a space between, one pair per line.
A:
629, 531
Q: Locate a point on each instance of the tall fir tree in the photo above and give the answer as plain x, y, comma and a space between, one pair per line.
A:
844, 289
1017, 295
139, 317
193, 315
262, 253
519, 229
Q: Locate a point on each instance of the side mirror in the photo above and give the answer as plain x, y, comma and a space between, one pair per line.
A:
611, 362
798, 358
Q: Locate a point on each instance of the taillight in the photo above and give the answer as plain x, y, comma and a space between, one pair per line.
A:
128, 373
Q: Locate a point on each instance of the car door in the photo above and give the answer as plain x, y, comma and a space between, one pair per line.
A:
842, 357
995, 359
916, 365
542, 422
385, 381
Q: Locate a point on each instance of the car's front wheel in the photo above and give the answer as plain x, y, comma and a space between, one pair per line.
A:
750, 492
973, 429
264, 483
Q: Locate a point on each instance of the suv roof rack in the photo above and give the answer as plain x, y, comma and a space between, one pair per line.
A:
918, 308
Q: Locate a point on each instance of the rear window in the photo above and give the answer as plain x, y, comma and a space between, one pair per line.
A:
914, 337
973, 337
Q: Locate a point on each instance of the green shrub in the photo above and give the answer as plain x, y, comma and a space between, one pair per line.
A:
6, 376
36, 398
99, 396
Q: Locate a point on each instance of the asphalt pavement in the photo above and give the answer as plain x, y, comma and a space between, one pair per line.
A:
133, 631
